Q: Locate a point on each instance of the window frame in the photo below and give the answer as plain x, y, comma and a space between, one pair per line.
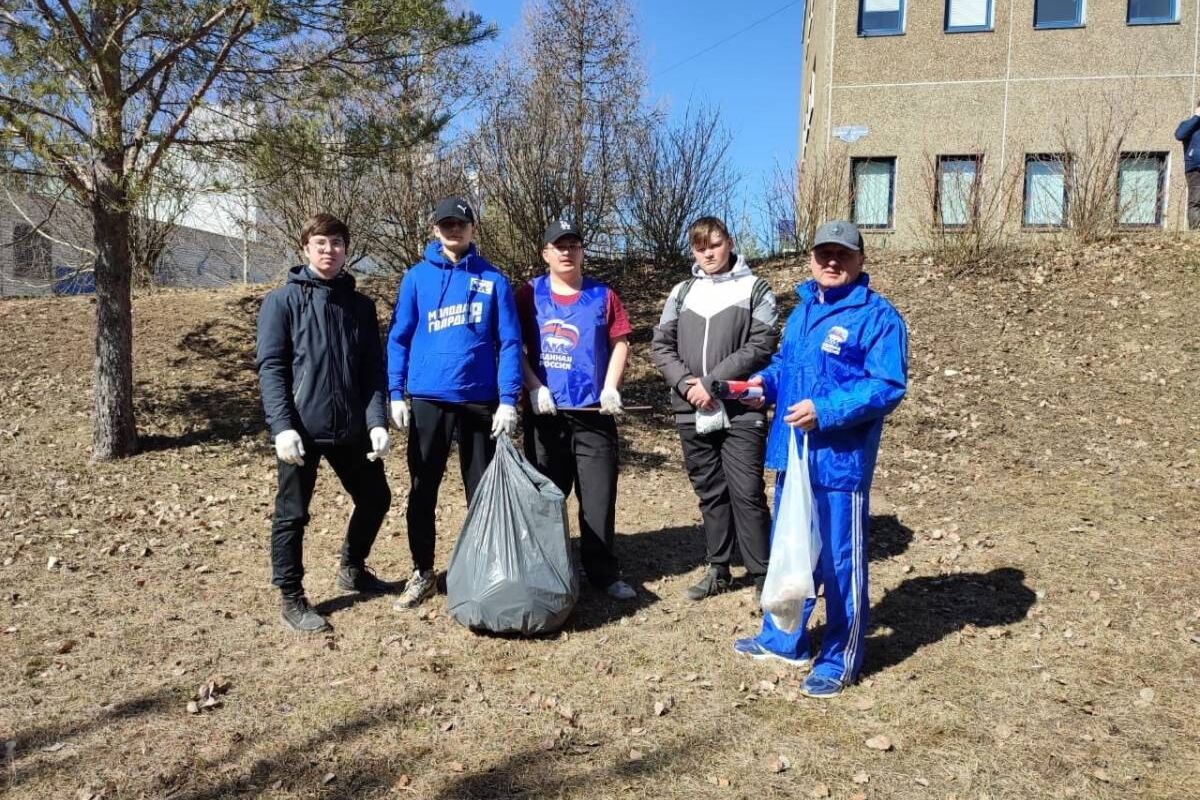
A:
898, 31
1080, 18
891, 202
988, 27
1065, 160
973, 209
1160, 201
1172, 20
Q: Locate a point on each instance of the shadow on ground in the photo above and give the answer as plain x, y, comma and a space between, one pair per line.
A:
535, 773
925, 610
31, 741
221, 403
295, 769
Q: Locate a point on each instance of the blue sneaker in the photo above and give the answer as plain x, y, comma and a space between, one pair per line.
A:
820, 686
750, 646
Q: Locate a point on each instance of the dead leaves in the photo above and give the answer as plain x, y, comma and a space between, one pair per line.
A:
777, 762
208, 695
881, 743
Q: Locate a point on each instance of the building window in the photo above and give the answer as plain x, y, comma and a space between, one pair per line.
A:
965, 16
1058, 13
880, 17
957, 190
1045, 191
873, 191
31, 253
1153, 12
1140, 182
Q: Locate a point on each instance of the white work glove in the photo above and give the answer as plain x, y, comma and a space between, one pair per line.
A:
610, 402
400, 414
380, 443
504, 420
543, 401
289, 448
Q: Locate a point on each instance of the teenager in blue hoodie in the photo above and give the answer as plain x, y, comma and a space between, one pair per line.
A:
454, 373
842, 367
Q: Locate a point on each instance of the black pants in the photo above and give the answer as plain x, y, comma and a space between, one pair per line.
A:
432, 428
579, 449
363, 480
1193, 206
726, 470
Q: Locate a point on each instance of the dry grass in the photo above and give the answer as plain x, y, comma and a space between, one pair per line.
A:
1034, 573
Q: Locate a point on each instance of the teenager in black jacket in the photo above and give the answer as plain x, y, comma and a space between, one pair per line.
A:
324, 389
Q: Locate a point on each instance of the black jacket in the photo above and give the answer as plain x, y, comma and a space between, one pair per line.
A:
320, 361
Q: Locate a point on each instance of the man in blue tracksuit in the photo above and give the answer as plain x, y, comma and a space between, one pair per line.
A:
454, 351
841, 368
1188, 132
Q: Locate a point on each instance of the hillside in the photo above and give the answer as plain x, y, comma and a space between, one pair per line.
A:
1035, 622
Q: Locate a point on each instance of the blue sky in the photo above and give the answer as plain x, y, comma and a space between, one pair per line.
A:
752, 75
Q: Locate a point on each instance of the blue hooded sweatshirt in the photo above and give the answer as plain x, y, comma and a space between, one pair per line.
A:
455, 336
846, 349
1188, 132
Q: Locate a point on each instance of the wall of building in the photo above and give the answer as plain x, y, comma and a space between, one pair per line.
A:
193, 258
1002, 93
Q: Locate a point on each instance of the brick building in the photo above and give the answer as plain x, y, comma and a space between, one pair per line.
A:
928, 103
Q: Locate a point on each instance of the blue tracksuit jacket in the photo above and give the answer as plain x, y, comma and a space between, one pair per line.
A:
847, 350
455, 336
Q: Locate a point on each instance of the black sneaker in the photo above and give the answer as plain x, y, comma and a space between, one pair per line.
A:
359, 578
715, 581
300, 616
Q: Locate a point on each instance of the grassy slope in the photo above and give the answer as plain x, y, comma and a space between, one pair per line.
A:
1034, 564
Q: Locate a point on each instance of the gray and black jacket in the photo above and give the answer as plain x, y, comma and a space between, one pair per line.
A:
715, 327
320, 360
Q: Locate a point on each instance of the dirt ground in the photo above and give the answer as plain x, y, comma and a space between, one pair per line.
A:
1034, 577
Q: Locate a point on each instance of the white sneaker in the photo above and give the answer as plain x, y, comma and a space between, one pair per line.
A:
421, 586
620, 590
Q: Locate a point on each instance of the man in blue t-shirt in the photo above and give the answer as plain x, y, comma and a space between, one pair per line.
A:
454, 373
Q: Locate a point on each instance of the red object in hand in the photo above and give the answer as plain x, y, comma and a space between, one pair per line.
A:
736, 390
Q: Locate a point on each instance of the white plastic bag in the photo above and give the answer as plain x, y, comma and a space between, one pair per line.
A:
795, 546
711, 421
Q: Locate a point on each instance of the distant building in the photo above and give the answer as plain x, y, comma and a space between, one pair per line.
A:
59, 261
930, 101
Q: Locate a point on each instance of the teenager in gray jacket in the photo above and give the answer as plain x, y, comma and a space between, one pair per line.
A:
720, 324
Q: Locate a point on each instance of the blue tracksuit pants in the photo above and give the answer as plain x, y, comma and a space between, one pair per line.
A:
842, 571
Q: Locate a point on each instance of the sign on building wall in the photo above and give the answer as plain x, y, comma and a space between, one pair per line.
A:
850, 133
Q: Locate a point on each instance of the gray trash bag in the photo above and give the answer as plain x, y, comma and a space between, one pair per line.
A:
511, 569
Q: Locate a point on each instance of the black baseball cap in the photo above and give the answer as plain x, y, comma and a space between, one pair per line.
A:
454, 208
560, 228
839, 232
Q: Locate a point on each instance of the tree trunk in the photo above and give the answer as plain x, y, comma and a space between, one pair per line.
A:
114, 432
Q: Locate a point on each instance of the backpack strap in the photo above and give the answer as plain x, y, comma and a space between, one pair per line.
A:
683, 291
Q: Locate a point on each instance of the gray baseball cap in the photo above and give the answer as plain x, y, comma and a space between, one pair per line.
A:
839, 232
